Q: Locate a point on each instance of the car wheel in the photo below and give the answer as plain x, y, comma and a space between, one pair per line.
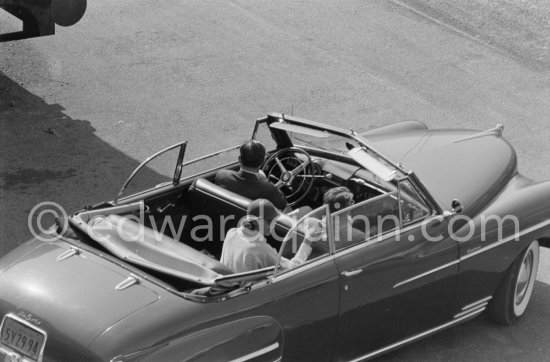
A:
513, 295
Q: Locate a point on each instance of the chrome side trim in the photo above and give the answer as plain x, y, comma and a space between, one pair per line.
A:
427, 273
259, 352
418, 336
383, 237
474, 304
516, 236
479, 308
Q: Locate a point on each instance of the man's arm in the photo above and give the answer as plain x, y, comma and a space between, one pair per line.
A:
278, 199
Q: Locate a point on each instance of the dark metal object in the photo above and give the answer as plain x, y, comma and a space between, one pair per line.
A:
40, 16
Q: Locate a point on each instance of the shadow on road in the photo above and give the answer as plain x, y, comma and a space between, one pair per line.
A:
47, 156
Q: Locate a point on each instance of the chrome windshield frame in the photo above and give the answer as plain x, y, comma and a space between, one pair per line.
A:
177, 166
352, 135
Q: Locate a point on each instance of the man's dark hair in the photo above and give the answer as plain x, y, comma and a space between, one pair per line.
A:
252, 154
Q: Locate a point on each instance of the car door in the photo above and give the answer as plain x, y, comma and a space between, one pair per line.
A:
397, 284
307, 292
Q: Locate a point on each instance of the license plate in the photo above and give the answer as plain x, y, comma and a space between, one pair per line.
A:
22, 338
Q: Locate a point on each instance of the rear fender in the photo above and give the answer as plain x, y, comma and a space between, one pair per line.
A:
521, 214
259, 338
517, 217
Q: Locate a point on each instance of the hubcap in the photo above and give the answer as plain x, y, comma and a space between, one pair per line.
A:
524, 276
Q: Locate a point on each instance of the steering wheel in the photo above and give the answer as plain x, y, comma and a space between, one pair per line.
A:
290, 173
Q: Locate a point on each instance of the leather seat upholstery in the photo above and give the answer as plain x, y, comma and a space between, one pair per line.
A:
214, 205
224, 209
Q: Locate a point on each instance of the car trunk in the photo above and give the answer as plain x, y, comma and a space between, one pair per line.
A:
73, 299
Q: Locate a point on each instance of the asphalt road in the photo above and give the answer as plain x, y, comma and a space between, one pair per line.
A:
80, 109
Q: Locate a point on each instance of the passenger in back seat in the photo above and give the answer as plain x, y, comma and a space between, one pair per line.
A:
249, 181
245, 248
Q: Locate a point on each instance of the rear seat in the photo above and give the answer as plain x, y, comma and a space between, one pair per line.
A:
209, 202
224, 208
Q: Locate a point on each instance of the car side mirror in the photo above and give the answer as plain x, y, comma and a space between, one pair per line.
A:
456, 206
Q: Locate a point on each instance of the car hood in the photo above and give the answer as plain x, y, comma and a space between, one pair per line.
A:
73, 297
453, 164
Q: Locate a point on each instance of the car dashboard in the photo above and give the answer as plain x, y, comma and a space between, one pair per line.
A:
333, 173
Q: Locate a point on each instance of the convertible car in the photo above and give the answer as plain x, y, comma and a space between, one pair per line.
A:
442, 229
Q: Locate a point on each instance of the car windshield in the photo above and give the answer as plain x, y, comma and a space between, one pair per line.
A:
331, 142
337, 142
301, 135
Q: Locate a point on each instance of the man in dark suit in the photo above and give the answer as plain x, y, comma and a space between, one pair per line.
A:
249, 181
